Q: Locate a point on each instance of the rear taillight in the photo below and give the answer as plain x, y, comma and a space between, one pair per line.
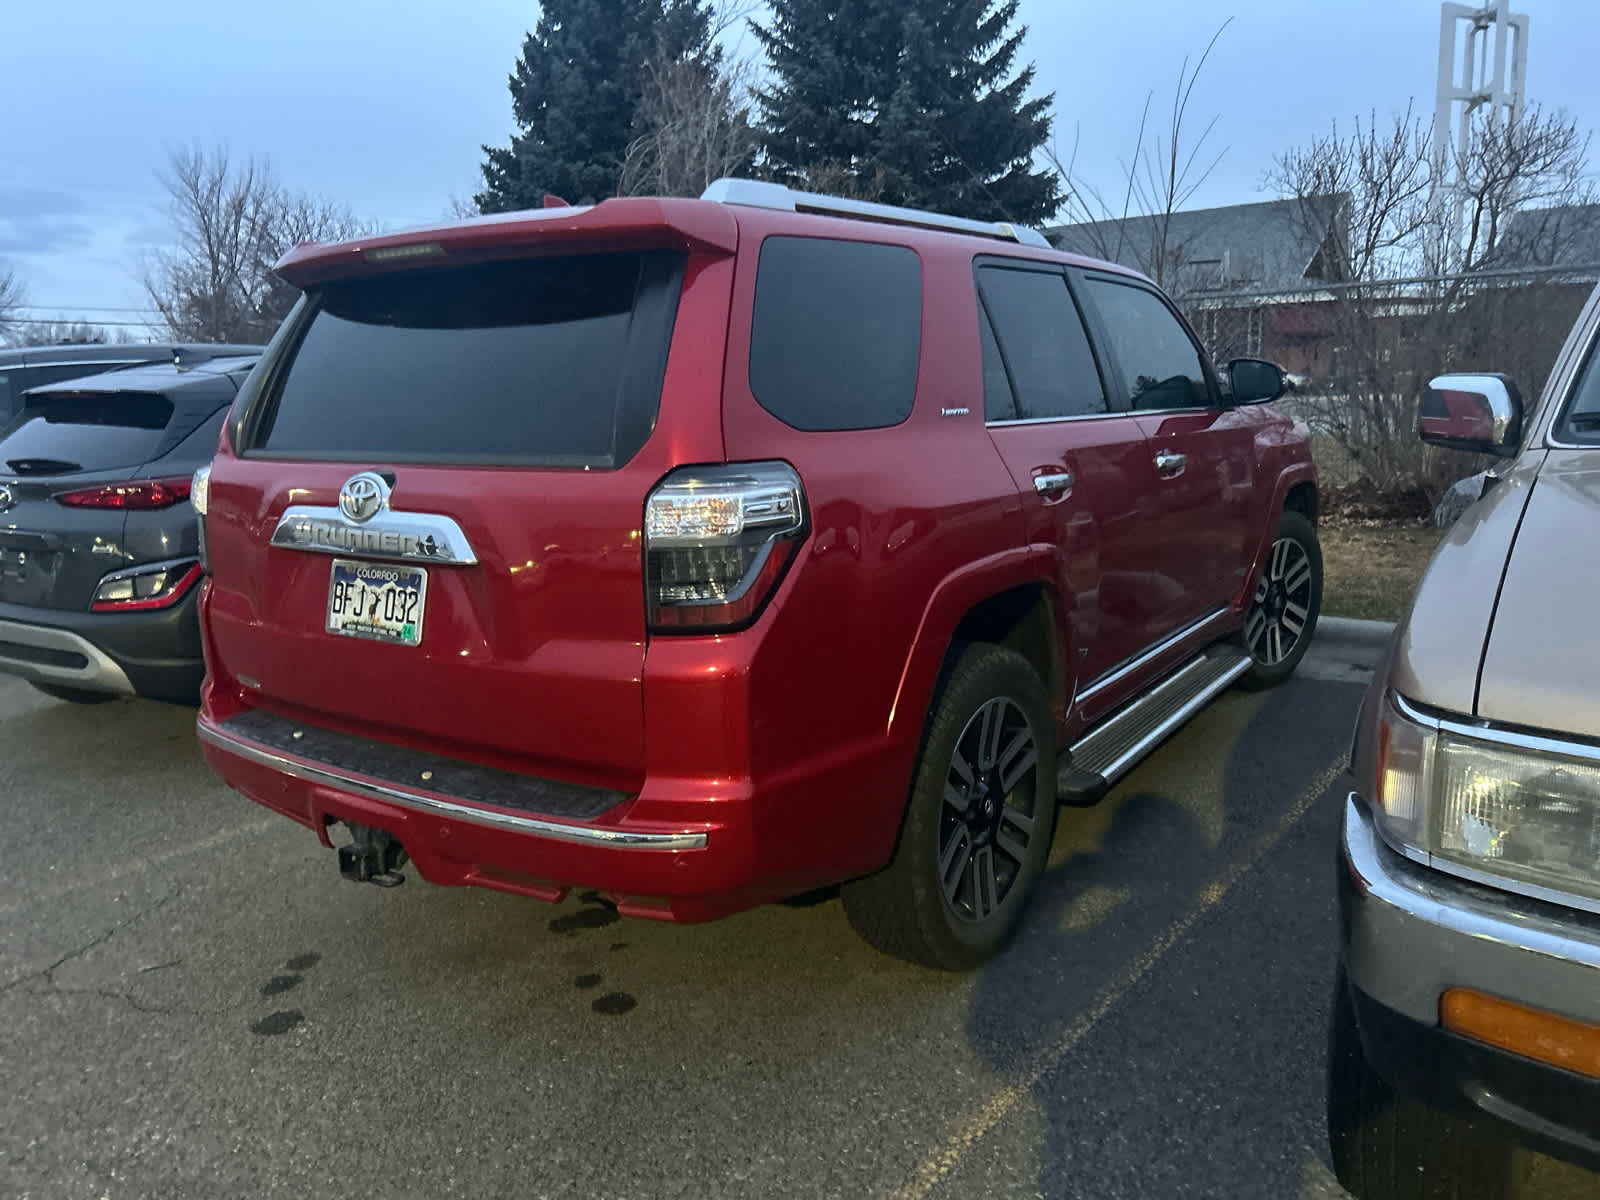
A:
153, 585
135, 494
717, 541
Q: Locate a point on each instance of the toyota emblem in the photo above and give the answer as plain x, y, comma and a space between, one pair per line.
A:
6, 497
363, 496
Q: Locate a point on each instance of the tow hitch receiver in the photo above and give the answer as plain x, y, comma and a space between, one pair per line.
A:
375, 856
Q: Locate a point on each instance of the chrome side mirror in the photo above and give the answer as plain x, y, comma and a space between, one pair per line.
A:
1479, 413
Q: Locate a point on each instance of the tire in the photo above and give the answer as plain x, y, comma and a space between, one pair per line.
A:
73, 695
1388, 1146
1289, 589
993, 845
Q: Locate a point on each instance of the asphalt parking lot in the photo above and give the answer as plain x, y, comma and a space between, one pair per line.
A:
193, 1003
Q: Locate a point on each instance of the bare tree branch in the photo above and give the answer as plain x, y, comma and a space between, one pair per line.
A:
1376, 204
1158, 180
233, 222
13, 297
696, 127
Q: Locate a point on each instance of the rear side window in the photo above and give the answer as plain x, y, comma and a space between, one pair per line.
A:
59, 432
1160, 364
545, 362
1042, 341
836, 333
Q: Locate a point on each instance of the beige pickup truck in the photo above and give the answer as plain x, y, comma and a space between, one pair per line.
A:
1466, 1018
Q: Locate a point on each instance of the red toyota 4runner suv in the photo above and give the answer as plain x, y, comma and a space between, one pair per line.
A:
709, 552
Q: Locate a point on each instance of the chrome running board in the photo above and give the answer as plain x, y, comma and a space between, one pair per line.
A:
1113, 747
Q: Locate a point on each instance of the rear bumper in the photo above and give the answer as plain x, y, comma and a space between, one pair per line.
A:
676, 872
154, 653
1410, 933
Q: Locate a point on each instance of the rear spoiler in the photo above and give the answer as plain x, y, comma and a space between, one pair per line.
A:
642, 223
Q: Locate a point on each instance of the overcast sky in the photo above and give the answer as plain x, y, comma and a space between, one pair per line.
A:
382, 105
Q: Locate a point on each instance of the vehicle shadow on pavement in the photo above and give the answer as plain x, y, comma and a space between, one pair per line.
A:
1202, 1074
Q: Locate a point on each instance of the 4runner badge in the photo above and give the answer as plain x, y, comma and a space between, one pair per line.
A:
363, 525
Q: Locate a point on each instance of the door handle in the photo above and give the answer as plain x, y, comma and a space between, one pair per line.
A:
1054, 483
1169, 464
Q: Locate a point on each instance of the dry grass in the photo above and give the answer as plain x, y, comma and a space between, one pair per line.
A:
1371, 568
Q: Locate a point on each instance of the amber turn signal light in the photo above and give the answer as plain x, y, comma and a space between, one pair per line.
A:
1559, 1041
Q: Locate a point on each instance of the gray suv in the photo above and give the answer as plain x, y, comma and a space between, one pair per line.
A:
1467, 1008
23, 368
100, 556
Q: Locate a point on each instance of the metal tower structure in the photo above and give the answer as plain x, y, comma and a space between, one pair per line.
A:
1487, 70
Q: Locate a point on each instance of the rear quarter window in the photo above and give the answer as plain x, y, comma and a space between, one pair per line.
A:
836, 333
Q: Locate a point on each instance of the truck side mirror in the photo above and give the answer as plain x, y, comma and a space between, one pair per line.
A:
1479, 413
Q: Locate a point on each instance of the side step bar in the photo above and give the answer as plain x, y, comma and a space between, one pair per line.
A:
1112, 748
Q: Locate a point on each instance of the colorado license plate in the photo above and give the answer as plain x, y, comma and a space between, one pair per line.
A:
377, 601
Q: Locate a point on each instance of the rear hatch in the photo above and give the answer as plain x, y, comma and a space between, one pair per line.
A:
64, 452
453, 464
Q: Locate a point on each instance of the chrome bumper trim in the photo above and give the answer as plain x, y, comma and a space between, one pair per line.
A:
99, 674
1412, 932
583, 835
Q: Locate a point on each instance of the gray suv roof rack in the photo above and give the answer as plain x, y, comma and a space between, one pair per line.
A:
755, 193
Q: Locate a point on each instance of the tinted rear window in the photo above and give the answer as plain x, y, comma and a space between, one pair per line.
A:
553, 361
836, 333
57, 433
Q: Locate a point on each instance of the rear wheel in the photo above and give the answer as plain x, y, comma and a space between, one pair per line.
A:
978, 823
1388, 1146
1283, 612
73, 695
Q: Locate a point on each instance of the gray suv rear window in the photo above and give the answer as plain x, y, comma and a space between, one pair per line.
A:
544, 361
57, 433
836, 333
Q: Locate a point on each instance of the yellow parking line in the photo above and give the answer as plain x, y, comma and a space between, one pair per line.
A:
998, 1106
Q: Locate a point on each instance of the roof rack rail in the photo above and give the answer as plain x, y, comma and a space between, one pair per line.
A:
755, 193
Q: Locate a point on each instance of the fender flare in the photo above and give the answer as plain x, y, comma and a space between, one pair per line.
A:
955, 596
1290, 477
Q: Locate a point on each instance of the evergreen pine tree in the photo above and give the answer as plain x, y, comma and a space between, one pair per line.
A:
575, 95
915, 100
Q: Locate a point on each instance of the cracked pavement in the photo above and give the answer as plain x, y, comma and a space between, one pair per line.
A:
48, 974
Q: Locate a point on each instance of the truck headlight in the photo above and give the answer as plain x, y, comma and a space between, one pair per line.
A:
1526, 812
